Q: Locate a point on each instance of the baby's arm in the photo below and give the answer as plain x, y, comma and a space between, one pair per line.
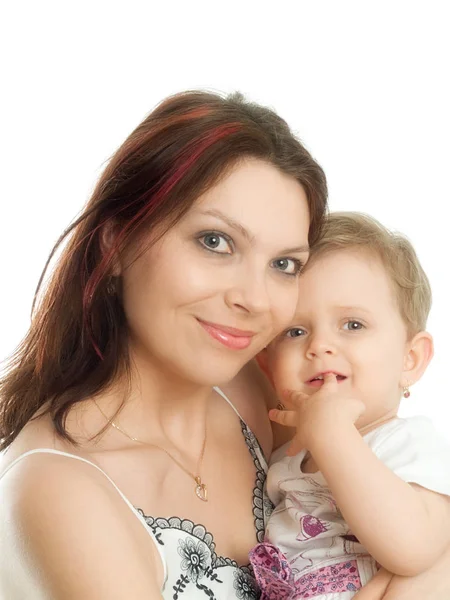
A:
403, 526
376, 588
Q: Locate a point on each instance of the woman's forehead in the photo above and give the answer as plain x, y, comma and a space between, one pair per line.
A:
260, 199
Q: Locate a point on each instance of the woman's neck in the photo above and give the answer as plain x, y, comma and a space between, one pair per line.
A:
159, 408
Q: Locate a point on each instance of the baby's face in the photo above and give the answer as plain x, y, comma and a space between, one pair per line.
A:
347, 322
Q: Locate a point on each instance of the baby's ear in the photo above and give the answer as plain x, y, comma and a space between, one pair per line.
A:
419, 352
262, 358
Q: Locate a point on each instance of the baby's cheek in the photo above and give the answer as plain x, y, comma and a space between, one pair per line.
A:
285, 369
263, 364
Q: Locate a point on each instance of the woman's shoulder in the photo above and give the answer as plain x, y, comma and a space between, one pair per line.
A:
57, 512
39, 433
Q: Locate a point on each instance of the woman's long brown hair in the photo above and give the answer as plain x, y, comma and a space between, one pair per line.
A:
77, 341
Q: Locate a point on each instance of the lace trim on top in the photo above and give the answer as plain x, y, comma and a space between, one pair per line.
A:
262, 507
195, 530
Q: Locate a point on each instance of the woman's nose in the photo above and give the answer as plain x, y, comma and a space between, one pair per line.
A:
249, 294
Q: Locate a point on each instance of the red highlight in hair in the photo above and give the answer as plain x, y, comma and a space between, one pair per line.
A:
156, 199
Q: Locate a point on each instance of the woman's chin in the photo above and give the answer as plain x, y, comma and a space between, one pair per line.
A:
215, 372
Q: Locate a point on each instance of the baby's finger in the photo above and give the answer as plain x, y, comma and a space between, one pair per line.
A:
329, 380
295, 447
283, 417
294, 397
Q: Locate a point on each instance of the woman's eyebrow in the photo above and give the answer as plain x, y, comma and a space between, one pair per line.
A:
231, 222
246, 234
301, 249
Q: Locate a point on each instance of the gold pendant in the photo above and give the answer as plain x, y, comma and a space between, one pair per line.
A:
200, 490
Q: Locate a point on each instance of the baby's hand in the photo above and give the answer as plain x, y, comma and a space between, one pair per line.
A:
318, 415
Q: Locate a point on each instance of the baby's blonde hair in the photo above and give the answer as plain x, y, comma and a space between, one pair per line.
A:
357, 231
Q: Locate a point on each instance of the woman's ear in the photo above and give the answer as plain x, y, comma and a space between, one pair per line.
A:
108, 236
419, 352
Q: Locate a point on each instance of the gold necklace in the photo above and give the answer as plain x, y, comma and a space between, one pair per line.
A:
200, 488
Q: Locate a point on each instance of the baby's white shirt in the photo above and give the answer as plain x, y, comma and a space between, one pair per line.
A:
306, 523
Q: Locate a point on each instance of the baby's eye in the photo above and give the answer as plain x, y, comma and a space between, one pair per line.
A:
353, 325
295, 332
216, 242
289, 266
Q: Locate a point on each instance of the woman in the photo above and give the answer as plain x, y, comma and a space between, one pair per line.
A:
181, 268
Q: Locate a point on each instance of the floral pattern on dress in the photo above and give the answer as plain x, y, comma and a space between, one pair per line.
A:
200, 566
273, 573
276, 578
245, 586
195, 558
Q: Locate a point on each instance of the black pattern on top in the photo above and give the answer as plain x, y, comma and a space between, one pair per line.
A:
199, 563
259, 502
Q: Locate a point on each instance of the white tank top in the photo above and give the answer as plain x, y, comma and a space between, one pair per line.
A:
192, 569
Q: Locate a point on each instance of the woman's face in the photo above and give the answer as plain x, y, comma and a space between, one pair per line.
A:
222, 283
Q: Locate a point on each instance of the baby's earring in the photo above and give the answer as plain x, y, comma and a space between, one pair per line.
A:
406, 392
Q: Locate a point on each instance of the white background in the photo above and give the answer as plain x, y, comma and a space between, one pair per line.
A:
364, 84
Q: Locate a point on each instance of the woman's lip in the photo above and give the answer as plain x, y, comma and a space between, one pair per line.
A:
236, 339
231, 330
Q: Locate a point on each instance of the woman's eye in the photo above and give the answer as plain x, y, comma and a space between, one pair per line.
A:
295, 332
289, 266
216, 242
353, 325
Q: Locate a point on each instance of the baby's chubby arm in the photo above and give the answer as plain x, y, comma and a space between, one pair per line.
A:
376, 588
404, 527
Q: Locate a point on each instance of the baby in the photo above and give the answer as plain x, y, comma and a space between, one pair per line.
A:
359, 493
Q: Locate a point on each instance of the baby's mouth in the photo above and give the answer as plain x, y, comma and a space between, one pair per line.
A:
318, 380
